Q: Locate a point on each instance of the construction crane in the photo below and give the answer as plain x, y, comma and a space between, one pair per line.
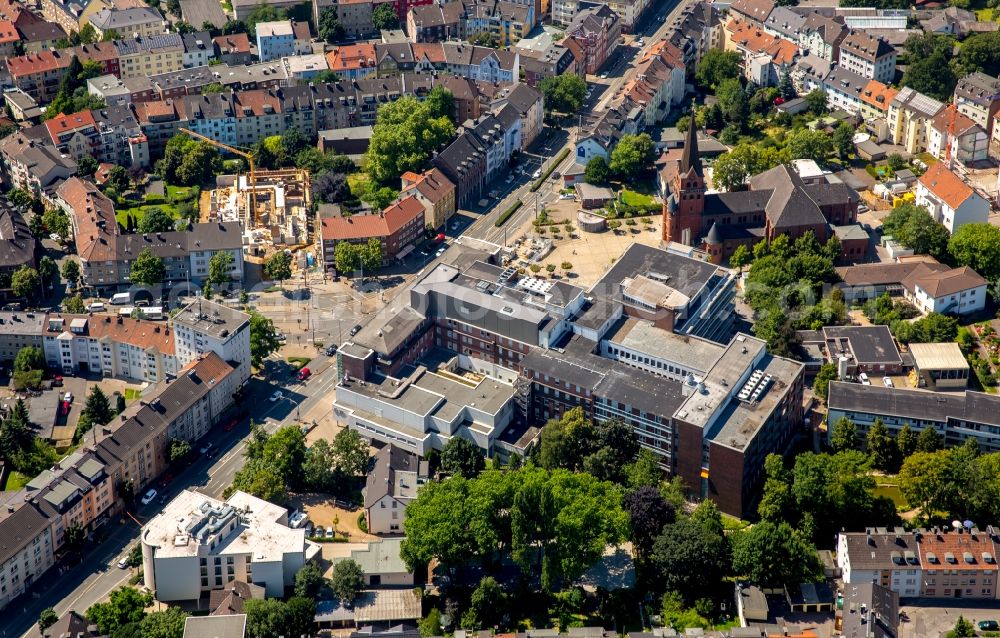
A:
949, 137
243, 154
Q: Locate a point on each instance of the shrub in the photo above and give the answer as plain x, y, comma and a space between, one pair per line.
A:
504, 216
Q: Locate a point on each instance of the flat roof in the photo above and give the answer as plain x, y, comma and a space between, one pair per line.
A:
938, 356
228, 626
211, 318
685, 275
868, 344
643, 336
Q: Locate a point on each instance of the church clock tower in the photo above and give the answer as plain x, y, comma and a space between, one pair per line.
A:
683, 210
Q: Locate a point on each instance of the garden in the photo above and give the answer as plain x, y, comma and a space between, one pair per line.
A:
177, 202
981, 344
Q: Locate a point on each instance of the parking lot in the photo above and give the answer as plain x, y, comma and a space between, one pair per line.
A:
934, 617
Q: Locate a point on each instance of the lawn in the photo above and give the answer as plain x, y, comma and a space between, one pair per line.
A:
358, 183
888, 486
633, 198
180, 193
132, 394
15, 481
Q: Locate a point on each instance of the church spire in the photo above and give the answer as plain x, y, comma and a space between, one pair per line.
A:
691, 159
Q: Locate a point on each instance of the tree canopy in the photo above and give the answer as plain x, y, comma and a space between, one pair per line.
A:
632, 155
263, 338
734, 168
189, 162
147, 269
978, 247
563, 93
717, 66
913, 226
405, 134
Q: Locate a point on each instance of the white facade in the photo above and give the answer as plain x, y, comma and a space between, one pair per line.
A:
973, 145
205, 326
960, 302
275, 40
973, 209
905, 580
881, 70
198, 544
30, 560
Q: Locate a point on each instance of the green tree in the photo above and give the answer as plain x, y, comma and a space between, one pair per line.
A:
843, 140
278, 266
263, 338
786, 89
71, 271
48, 272
384, 18
740, 257
906, 441
844, 435
733, 102
689, 559
430, 625
733, 169
347, 580
56, 221
597, 171
25, 282
776, 554
285, 452
913, 226
372, 254
929, 70
486, 605
633, 155
330, 27
269, 618
168, 623
808, 144
188, 162
87, 166
310, 582
346, 257
817, 100
97, 408
563, 93
262, 13
119, 180
319, 471
462, 457
147, 269
405, 134
929, 440
925, 481
777, 502
155, 220
963, 628
978, 247
821, 384
440, 101
46, 619
30, 358
179, 450
716, 66
649, 513
219, 267
351, 453
882, 448
214, 87
125, 605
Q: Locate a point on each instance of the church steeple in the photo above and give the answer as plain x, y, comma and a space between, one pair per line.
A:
691, 159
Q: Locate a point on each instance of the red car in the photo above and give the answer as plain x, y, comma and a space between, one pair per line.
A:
304, 374
65, 408
165, 481
231, 425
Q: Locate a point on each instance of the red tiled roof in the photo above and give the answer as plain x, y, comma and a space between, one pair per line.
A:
433, 51
943, 120
93, 215
235, 43
7, 32
433, 185
65, 123
946, 185
37, 63
878, 95
351, 56
384, 224
756, 40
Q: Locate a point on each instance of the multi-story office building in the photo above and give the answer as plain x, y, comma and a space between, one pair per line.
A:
198, 544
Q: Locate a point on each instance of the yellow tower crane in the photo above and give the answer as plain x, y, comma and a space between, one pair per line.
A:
243, 154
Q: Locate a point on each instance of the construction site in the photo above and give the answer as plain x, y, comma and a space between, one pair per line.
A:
273, 207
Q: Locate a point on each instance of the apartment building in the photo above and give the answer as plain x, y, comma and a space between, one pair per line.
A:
765, 57
822, 36
505, 22
542, 58
434, 191
953, 136
951, 201
596, 32
76, 491
103, 53
658, 84
354, 61
205, 326
145, 21
27, 551
39, 35
481, 149
71, 15
977, 96
18, 247
32, 166
390, 486
435, 22
925, 563
198, 544
199, 49
875, 100
149, 55
754, 12
868, 56
111, 135
233, 49
909, 115
275, 40
39, 74
397, 228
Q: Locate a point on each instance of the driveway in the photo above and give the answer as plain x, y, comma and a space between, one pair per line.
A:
934, 617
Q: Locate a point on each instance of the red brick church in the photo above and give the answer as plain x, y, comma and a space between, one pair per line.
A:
776, 202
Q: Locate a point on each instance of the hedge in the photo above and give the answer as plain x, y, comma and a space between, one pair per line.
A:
552, 167
504, 216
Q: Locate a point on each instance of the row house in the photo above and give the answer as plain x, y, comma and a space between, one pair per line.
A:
868, 56
978, 97
434, 191
103, 53
33, 166
150, 55
75, 492
40, 35
658, 82
875, 100
910, 114
354, 61
765, 57
39, 74
480, 150
698, 29
953, 136
8, 37
199, 49
595, 33
28, 552
565, 12
529, 104
822, 36
144, 20
458, 58
111, 135
506, 22
548, 61
435, 22
71, 15
752, 12
231, 49
844, 89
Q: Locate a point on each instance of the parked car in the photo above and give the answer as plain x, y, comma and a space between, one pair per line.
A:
97, 306
863, 378
329, 531
887, 382
330, 351
567, 196
536, 174
309, 529
204, 449
231, 425
68, 397
165, 481
148, 498
55, 237
57, 381
989, 625
64, 408
356, 329
277, 396
297, 519
123, 563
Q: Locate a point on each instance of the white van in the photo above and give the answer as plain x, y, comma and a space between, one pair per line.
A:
97, 306
120, 299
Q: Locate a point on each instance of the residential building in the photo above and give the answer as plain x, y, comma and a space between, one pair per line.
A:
435, 22
397, 228
821, 36
379, 560
940, 366
698, 29
599, 133
111, 89
544, 59
150, 55
952, 136
856, 349
765, 57
110, 135
23, 107
529, 105
71, 15
233, 49
353, 61
875, 100
104, 53
909, 115
8, 36
955, 21
844, 89
480, 151
275, 40
354, 15
199, 49
506, 22
435, 192
39, 74
26, 552
950, 200
957, 291
658, 83
777, 202
868, 281
390, 486
40, 36
755, 12
72, 624
596, 31
868, 56
33, 166
934, 563
197, 544
869, 609
205, 326
977, 96
18, 247
145, 21
304, 67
